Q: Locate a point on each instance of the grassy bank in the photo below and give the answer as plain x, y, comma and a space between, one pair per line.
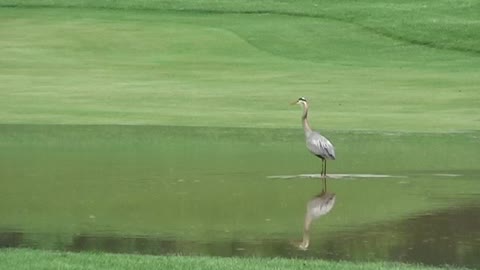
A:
158, 67
29, 259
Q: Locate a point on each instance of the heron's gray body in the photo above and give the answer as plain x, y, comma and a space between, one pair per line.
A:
316, 143
319, 145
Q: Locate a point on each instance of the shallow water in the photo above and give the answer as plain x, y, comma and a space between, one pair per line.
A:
446, 237
242, 192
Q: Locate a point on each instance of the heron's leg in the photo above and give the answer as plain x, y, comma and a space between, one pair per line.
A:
325, 169
321, 173
325, 176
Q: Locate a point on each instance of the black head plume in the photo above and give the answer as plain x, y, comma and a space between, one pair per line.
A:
302, 99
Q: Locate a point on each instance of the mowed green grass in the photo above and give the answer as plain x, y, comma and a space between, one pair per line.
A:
30, 259
154, 64
438, 24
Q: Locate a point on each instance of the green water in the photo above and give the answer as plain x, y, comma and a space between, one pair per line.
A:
214, 185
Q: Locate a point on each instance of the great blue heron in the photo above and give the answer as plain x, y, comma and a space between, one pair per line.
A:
318, 206
316, 143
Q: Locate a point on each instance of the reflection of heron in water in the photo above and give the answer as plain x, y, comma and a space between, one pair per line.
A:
318, 206
316, 143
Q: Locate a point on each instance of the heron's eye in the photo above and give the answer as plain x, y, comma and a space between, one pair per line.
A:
302, 99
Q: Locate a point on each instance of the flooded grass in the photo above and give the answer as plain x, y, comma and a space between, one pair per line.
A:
214, 186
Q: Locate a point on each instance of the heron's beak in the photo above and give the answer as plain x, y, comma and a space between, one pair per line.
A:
294, 103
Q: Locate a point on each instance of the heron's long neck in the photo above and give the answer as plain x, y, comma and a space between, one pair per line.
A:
306, 126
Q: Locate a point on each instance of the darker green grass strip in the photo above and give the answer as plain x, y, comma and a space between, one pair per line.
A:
383, 32
20, 259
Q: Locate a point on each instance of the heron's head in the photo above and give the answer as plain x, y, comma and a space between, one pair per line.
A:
302, 101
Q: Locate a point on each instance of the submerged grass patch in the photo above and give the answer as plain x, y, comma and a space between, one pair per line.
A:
32, 259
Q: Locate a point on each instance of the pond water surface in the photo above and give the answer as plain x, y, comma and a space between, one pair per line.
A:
240, 192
